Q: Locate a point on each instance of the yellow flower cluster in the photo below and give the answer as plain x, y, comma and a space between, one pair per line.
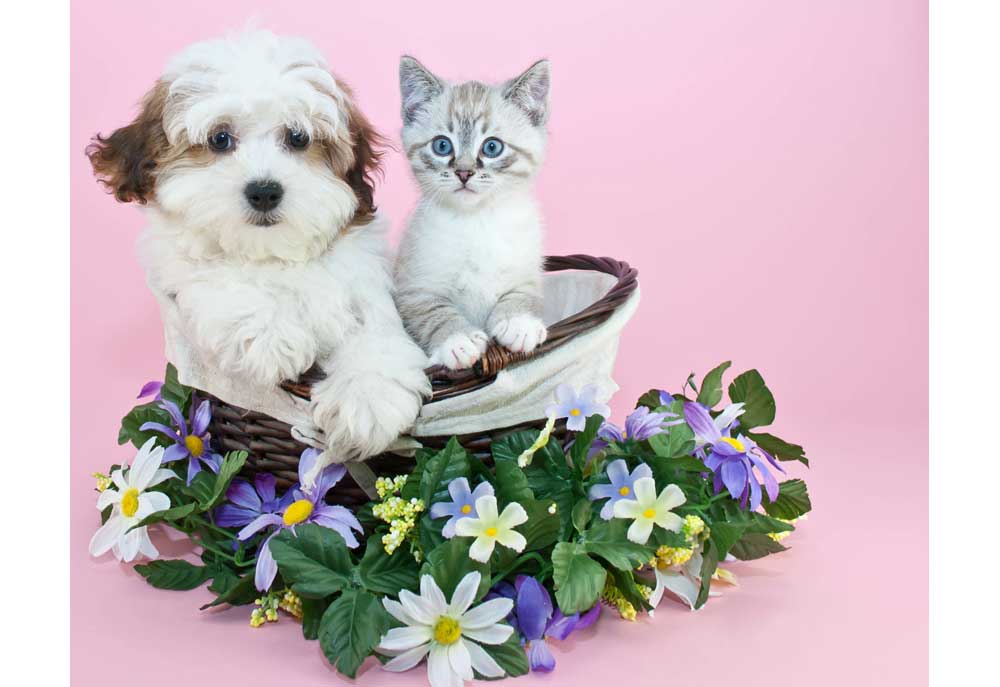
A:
398, 512
103, 481
291, 603
778, 536
694, 531
266, 611
693, 527
613, 597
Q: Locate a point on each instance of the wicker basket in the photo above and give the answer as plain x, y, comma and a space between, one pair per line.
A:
272, 449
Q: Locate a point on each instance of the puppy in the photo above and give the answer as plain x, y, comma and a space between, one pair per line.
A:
255, 171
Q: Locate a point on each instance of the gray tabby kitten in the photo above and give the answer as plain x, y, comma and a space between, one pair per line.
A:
470, 264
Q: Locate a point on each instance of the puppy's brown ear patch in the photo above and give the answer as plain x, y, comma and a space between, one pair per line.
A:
367, 147
125, 162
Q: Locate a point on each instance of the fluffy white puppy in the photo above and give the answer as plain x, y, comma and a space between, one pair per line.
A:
254, 167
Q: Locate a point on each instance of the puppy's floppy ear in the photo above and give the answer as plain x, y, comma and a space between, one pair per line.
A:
366, 146
125, 162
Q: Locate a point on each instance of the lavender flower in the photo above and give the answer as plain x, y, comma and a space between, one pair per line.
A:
193, 445
462, 504
622, 485
665, 398
534, 620
641, 424
247, 502
306, 506
577, 408
732, 460
150, 388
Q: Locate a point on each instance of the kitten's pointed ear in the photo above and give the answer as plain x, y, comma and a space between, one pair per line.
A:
530, 92
417, 86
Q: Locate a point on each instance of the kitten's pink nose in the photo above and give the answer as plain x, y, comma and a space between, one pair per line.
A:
464, 175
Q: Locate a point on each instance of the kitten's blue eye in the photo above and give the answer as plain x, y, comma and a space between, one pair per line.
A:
441, 145
492, 147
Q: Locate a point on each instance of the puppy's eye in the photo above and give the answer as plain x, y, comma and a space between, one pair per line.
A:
441, 145
221, 141
298, 140
492, 147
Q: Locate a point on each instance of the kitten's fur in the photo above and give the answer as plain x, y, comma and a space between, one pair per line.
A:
470, 263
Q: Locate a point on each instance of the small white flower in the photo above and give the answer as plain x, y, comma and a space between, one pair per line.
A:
449, 634
490, 528
648, 509
131, 503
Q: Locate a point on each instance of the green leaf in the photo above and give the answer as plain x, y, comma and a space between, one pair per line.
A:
725, 534
511, 484
583, 440
792, 502
239, 594
231, 466
429, 532
578, 578
749, 389
678, 441
650, 399
510, 656
173, 390
138, 416
779, 448
169, 515
710, 561
754, 545
223, 580
314, 560
449, 463
607, 539
387, 573
582, 512
174, 574
201, 488
542, 528
312, 616
351, 628
711, 386
625, 582
450, 562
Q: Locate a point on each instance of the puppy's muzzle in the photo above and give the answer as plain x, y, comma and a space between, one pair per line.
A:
264, 195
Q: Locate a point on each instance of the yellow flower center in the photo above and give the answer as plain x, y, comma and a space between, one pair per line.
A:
735, 443
624, 491
575, 412
130, 502
649, 513
466, 509
297, 512
447, 631
195, 445
491, 531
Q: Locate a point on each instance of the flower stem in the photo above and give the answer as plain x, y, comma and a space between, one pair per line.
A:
522, 559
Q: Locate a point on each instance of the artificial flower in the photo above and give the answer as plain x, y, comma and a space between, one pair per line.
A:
534, 621
732, 460
151, 388
665, 398
131, 503
305, 506
576, 408
648, 509
639, 425
193, 445
401, 514
524, 460
450, 635
722, 424
489, 528
622, 485
462, 504
247, 502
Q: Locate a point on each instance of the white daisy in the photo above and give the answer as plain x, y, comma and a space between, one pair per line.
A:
449, 634
489, 528
648, 509
131, 503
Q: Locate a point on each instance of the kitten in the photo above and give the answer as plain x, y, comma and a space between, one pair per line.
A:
470, 264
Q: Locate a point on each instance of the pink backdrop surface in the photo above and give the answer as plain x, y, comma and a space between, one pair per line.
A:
764, 165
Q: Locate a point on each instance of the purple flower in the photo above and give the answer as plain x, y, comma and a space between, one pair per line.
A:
462, 504
193, 445
577, 408
305, 507
665, 398
534, 620
732, 460
621, 487
150, 388
247, 502
641, 424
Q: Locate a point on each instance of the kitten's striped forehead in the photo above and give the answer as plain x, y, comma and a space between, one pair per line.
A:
470, 111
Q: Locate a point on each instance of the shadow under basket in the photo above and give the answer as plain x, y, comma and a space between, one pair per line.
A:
271, 447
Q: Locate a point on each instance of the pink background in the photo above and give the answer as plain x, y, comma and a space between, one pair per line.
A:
763, 164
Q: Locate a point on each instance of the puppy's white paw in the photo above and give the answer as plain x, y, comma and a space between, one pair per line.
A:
271, 355
461, 350
363, 413
520, 333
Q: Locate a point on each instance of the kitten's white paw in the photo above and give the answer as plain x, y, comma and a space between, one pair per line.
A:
364, 413
461, 350
520, 333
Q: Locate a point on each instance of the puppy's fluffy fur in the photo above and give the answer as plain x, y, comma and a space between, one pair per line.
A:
268, 293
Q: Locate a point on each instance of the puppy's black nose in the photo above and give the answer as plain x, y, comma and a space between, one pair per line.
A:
263, 195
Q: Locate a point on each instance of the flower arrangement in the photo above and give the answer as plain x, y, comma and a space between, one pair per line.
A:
469, 566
